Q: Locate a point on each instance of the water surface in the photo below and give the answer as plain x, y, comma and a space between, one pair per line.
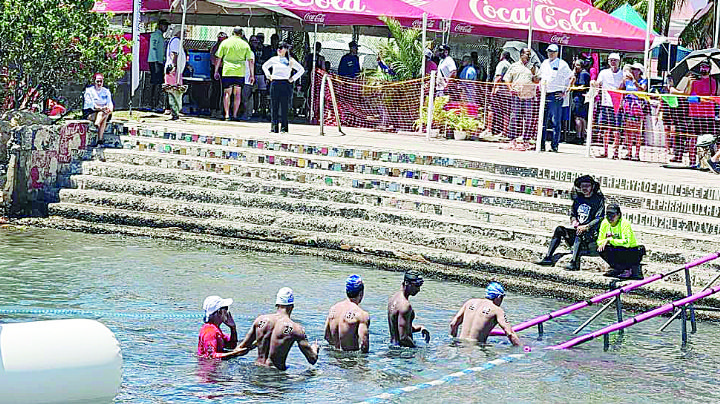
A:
60, 270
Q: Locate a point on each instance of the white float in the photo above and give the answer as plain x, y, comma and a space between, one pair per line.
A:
59, 361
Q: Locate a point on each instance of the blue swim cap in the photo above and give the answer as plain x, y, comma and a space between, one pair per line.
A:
494, 290
353, 284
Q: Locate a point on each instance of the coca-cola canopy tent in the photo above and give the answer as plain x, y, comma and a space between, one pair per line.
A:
350, 12
564, 22
126, 6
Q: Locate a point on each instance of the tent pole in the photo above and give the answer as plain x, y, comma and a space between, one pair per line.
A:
422, 67
717, 24
312, 76
648, 28
135, 69
530, 24
181, 52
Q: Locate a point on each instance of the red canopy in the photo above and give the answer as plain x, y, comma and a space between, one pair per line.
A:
349, 12
126, 6
564, 22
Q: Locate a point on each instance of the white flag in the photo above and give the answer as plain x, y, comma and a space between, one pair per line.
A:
135, 72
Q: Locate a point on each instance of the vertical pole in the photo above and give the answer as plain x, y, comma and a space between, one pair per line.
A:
717, 24
541, 117
312, 77
648, 29
618, 309
530, 23
431, 105
322, 104
606, 342
541, 331
683, 326
181, 51
688, 285
591, 116
422, 67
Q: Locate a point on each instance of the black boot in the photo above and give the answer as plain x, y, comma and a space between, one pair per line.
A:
574, 264
554, 244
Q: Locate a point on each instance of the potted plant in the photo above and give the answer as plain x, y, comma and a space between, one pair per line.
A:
439, 114
461, 122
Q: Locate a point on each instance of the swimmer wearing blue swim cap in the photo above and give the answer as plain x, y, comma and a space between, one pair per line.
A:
347, 325
401, 313
479, 316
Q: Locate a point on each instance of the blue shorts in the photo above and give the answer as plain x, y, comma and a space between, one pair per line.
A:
608, 117
231, 81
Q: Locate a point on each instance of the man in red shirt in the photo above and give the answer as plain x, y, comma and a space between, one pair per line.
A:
212, 342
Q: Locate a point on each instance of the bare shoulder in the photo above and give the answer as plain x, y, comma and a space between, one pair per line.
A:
297, 331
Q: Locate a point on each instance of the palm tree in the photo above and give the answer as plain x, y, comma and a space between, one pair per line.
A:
696, 34
404, 52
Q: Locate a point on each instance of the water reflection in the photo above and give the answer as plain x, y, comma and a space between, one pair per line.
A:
54, 269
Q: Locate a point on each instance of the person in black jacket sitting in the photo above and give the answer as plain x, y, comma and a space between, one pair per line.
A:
588, 210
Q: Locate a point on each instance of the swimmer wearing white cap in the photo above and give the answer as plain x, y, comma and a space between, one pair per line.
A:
347, 325
276, 333
479, 316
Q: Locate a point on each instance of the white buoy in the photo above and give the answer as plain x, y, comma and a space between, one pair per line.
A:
59, 361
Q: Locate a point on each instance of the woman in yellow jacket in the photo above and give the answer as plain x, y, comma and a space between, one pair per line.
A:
618, 247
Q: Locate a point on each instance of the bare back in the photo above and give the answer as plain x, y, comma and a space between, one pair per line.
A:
479, 319
347, 326
400, 318
262, 334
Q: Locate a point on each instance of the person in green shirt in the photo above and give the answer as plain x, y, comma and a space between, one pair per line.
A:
234, 55
618, 247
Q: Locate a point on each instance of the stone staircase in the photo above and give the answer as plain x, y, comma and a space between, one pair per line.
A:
421, 207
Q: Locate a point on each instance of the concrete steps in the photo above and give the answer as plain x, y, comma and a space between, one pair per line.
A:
425, 207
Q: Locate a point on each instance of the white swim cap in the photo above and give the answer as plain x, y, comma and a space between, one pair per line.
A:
285, 297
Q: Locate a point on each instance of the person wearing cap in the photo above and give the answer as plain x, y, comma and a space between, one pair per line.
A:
281, 87
447, 69
349, 66
401, 313
212, 342
234, 54
479, 316
430, 66
633, 109
618, 247
701, 112
348, 326
558, 78
156, 60
274, 334
610, 122
588, 210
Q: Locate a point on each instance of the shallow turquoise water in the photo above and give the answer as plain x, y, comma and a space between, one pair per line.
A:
60, 270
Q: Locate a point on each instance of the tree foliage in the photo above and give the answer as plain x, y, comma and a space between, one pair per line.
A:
697, 34
46, 45
404, 52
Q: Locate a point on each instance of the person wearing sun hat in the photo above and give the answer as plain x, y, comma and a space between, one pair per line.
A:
347, 325
212, 342
479, 316
274, 334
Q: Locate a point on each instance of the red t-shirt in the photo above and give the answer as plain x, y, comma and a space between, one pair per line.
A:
211, 341
703, 87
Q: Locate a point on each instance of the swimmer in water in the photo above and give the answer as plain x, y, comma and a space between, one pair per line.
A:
401, 313
479, 316
212, 342
347, 325
276, 333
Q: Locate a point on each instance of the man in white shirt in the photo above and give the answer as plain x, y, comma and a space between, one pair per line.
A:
609, 121
98, 105
557, 77
446, 70
156, 59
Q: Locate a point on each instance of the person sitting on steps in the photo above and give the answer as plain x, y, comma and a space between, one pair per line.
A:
588, 209
618, 247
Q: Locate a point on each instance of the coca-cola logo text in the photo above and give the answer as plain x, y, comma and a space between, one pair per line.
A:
418, 24
315, 18
463, 28
338, 5
560, 39
547, 16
